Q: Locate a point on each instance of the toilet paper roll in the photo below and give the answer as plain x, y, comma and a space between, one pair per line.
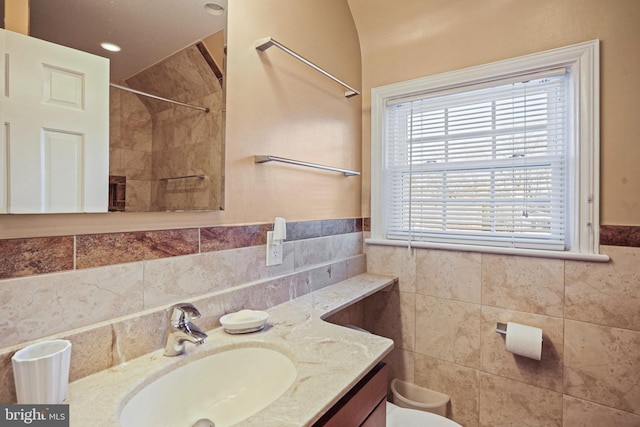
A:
524, 340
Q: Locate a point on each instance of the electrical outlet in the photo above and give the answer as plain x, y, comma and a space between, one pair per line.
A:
274, 251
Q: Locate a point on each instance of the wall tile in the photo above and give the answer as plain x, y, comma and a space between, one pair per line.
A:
620, 235
167, 281
605, 293
462, 384
221, 238
251, 263
392, 315
580, 413
534, 285
139, 335
91, 351
332, 227
136, 164
95, 250
395, 261
504, 402
347, 245
45, 305
449, 274
496, 359
26, 257
313, 251
303, 230
448, 330
602, 365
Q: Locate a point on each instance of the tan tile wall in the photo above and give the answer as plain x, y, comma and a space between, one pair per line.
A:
443, 314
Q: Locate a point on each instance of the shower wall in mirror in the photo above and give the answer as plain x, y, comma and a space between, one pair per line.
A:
170, 155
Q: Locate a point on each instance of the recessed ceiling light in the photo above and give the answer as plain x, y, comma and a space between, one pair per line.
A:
110, 47
214, 8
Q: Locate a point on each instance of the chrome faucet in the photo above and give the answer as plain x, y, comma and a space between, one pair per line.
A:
181, 330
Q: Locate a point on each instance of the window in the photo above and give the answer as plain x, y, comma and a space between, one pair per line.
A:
501, 157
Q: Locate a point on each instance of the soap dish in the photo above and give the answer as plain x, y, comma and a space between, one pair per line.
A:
244, 321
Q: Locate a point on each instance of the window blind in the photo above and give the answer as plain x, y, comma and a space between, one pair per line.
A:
483, 164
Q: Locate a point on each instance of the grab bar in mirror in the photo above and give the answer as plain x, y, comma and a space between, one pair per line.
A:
265, 159
264, 44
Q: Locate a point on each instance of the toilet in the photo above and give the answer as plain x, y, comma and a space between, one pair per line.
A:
405, 417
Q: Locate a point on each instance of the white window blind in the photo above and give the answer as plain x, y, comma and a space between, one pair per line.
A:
483, 164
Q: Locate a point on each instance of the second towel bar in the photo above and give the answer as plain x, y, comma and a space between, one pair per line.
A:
265, 159
267, 42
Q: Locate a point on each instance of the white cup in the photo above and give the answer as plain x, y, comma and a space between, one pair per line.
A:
41, 372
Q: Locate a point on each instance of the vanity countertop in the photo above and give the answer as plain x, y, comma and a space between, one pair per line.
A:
330, 360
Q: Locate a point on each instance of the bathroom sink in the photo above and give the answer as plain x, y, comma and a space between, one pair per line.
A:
223, 388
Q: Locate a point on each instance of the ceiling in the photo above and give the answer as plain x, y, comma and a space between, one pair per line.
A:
146, 30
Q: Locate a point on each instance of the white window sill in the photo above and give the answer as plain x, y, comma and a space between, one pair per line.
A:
574, 256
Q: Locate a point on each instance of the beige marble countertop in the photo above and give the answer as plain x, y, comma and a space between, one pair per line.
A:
330, 360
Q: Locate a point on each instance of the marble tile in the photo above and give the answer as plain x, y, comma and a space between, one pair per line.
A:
26, 257
91, 351
44, 305
136, 164
356, 265
309, 252
251, 263
138, 335
546, 373
138, 197
94, 250
167, 281
332, 227
605, 293
316, 278
448, 330
392, 314
449, 274
620, 235
533, 285
396, 261
580, 413
462, 384
504, 402
115, 161
347, 245
7, 383
303, 230
602, 365
220, 238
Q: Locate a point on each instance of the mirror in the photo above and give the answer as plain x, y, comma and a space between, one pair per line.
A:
164, 156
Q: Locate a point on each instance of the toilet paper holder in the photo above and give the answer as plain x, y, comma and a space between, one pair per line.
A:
501, 328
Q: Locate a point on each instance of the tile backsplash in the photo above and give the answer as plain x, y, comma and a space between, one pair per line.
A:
108, 293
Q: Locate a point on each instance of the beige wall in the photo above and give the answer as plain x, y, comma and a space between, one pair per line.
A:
276, 105
418, 38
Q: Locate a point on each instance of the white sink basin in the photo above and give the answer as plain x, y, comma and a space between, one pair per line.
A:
224, 388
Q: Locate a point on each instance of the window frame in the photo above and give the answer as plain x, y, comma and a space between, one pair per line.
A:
583, 154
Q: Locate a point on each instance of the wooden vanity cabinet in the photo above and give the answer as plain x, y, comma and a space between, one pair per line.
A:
363, 406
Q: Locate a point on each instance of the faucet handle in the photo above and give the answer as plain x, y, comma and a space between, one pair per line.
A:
182, 312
